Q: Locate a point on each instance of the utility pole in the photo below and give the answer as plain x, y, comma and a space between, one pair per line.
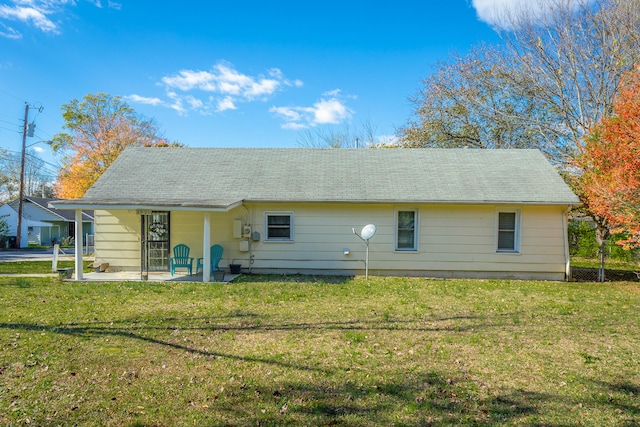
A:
27, 130
21, 193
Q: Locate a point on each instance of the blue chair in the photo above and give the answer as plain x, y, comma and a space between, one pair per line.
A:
216, 255
181, 259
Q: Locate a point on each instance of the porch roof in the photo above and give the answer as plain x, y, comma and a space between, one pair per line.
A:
222, 178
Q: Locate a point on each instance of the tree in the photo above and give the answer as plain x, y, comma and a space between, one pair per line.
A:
345, 137
37, 181
5, 178
553, 77
4, 230
99, 128
4, 226
475, 101
575, 56
610, 163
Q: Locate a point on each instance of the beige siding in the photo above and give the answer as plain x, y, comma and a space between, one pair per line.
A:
454, 240
117, 239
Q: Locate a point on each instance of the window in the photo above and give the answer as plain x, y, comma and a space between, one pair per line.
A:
406, 230
508, 231
279, 226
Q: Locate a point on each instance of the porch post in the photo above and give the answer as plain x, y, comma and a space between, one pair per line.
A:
79, 246
206, 253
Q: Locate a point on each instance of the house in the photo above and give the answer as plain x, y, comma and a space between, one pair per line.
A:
42, 224
437, 212
10, 216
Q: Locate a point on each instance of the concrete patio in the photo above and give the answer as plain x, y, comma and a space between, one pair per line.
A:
117, 276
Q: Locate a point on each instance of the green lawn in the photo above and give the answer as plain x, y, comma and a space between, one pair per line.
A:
610, 264
319, 351
37, 267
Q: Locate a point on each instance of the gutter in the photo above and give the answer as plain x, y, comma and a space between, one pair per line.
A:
162, 207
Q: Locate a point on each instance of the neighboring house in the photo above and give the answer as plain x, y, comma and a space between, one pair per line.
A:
438, 212
11, 217
42, 224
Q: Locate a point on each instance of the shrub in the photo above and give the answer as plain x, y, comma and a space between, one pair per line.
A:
582, 243
67, 241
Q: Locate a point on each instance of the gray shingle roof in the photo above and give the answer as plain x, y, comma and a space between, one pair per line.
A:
43, 202
219, 177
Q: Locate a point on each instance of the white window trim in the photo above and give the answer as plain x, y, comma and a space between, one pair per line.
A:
518, 228
267, 214
416, 230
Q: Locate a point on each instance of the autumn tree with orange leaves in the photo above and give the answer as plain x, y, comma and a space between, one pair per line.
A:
610, 163
98, 128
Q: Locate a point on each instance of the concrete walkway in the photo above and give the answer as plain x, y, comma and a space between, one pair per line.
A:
118, 276
47, 255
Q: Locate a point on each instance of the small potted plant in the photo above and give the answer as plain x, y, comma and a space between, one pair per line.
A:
218, 275
234, 267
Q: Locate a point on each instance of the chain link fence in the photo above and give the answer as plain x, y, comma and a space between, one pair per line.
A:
587, 274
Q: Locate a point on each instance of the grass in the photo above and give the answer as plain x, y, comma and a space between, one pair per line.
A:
611, 264
308, 351
36, 267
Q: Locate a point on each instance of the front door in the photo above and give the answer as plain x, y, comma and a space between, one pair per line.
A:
155, 241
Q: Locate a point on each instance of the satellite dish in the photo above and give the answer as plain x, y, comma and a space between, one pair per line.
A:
368, 231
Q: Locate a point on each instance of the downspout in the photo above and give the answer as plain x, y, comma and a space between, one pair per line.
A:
565, 238
79, 246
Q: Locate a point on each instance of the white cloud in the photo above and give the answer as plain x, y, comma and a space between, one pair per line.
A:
328, 110
176, 103
496, 12
290, 114
98, 3
40, 14
8, 32
226, 104
194, 103
218, 89
226, 80
36, 16
224, 88
188, 80
144, 100
294, 126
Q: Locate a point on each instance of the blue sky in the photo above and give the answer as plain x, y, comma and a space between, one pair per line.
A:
230, 74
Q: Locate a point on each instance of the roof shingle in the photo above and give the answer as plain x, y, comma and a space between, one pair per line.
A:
219, 177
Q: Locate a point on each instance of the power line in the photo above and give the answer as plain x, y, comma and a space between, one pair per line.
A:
7, 121
11, 95
57, 166
10, 130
